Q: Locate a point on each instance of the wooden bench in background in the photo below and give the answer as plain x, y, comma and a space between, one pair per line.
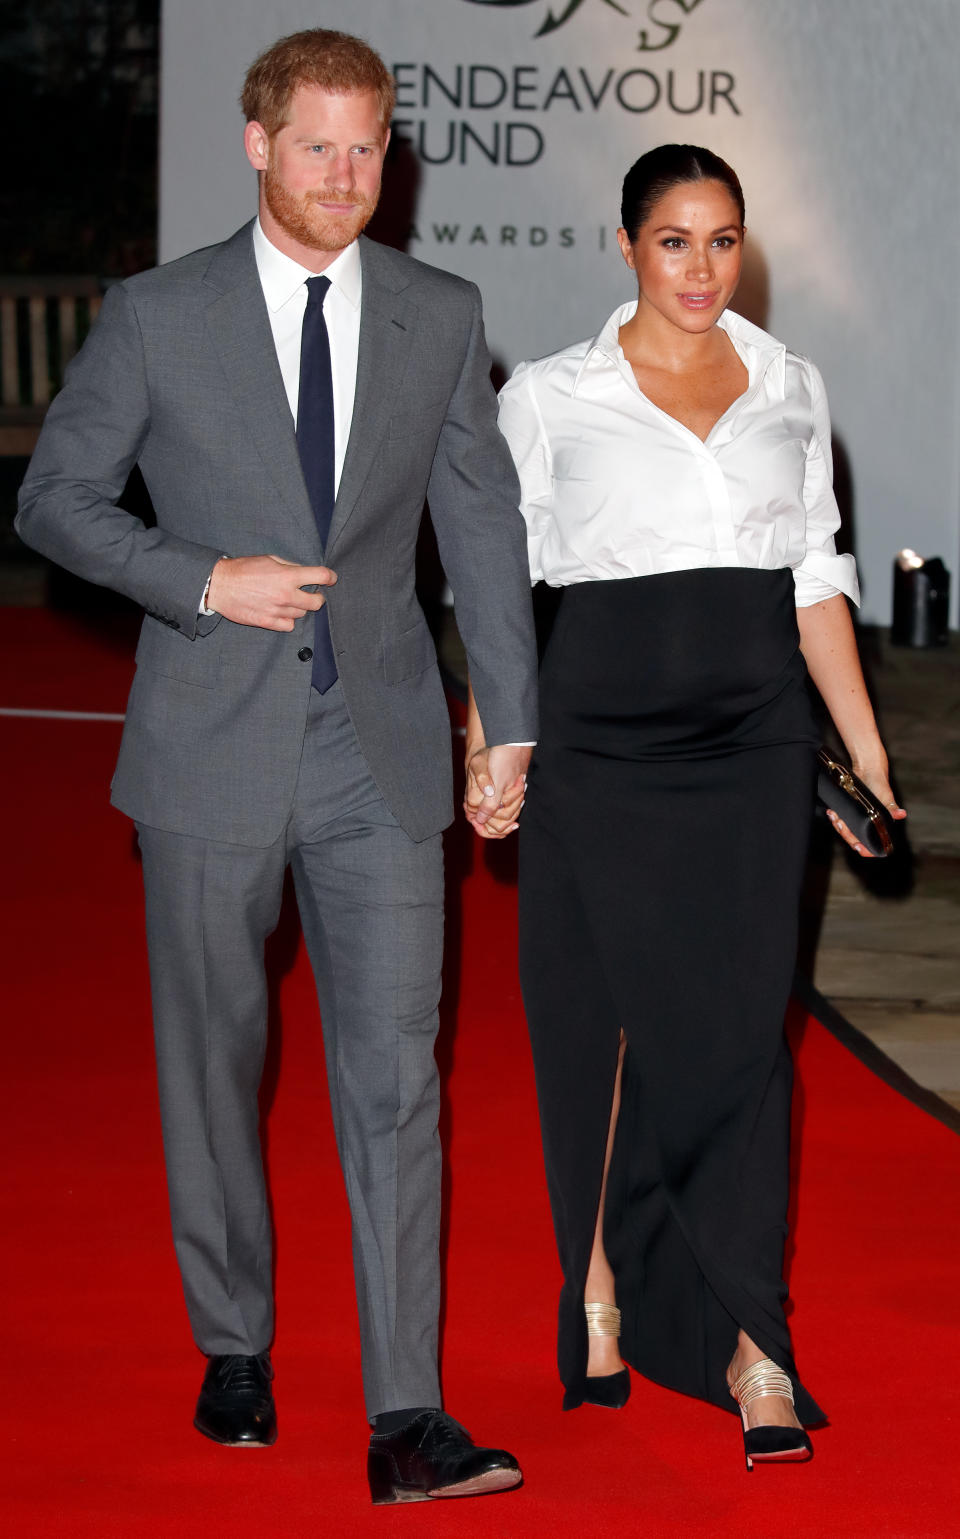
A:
42, 323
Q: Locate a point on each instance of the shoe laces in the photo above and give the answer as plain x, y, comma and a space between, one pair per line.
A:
444, 1430
240, 1375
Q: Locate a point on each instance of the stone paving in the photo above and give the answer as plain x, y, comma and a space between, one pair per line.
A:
888, 955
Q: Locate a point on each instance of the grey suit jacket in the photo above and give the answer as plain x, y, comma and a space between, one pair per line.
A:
180, 375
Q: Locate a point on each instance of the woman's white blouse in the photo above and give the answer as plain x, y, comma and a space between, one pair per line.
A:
614, 487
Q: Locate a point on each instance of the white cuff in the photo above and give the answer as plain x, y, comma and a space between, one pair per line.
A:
822, 575
203, 608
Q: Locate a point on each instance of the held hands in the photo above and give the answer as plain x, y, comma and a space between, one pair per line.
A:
875, 775
266, 591
496, 785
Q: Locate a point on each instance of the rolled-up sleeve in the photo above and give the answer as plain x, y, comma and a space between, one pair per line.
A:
822, 574
522, 426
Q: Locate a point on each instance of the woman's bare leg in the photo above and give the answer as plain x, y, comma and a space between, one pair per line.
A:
604, 1356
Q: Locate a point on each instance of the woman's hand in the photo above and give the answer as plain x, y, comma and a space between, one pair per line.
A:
875, 776
829, 647
480, 793
492, 812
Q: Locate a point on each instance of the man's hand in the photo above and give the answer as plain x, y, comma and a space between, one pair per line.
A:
496, 784
266, 591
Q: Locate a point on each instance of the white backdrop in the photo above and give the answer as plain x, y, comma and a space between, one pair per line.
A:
519, 119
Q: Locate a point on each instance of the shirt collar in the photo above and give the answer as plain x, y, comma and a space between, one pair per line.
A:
281, 276
756, 347
760, 352
606, 344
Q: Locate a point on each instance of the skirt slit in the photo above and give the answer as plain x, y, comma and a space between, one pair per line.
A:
576, 1043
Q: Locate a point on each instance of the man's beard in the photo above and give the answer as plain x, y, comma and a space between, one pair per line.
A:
302, 218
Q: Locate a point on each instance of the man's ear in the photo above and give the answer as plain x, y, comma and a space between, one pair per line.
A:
256, 142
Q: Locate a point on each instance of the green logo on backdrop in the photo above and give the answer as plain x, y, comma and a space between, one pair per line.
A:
666, 17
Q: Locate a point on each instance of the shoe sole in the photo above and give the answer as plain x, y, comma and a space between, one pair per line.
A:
481, 1485
790, 1456
245, 1442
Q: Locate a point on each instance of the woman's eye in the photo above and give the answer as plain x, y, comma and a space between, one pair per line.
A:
673, 243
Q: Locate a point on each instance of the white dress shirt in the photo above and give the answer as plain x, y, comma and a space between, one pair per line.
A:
611, 486
284, 284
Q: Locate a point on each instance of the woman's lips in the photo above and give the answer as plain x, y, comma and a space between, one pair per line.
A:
698, 301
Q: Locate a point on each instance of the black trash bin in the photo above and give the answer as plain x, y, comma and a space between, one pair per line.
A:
921, 601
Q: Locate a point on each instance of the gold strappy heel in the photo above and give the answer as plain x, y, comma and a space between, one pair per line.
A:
768, 1444
611, 1390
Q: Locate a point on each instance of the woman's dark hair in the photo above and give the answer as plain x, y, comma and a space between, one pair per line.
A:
663, 168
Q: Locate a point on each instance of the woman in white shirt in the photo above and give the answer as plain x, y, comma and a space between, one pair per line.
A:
676, 484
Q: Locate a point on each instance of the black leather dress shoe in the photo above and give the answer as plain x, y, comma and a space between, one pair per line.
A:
432, 1456
236, 1402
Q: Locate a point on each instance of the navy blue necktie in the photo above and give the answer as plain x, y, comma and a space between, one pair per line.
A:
315, 441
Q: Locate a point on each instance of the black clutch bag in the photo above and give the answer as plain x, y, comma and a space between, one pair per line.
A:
844, 793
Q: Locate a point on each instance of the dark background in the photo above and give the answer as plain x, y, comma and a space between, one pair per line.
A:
79, 82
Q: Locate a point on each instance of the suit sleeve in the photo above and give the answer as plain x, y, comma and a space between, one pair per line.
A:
474, 500
92, 437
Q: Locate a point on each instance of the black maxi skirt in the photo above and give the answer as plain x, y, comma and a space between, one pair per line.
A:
662, 849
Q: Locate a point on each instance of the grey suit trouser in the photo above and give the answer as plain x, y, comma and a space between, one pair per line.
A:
371, 906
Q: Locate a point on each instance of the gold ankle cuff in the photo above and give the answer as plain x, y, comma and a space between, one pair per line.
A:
763, 1378
602, 1319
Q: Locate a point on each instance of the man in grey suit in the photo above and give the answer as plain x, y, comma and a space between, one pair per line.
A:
291, 396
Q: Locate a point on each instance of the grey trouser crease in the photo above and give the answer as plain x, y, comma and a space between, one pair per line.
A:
371, 906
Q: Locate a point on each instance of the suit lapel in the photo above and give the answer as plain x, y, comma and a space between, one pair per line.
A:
239, 328
386, 332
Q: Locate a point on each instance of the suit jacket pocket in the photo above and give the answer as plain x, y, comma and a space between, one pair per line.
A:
165, 651
410, 653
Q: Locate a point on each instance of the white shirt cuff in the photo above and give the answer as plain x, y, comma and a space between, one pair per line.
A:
202, 607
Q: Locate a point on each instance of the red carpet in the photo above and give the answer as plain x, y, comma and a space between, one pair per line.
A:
99, 1374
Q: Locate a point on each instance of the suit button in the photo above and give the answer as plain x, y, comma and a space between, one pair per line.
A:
305, 654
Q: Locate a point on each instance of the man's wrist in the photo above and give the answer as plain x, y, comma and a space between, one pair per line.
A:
204, 608
481, 747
